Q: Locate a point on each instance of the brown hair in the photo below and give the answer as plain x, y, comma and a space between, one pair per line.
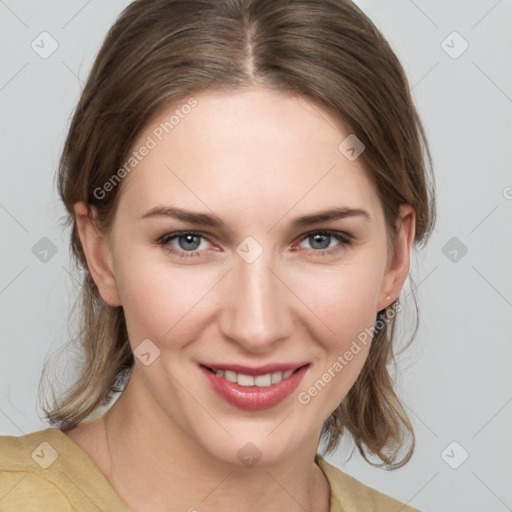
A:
159, 53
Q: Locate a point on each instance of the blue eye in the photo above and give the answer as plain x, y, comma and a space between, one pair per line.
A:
186, 244
321, 242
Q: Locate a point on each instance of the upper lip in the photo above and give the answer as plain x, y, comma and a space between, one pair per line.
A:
255, 370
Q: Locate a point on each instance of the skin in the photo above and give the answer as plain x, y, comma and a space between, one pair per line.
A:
257, 159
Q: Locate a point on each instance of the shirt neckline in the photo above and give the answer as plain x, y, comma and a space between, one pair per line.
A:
97, 484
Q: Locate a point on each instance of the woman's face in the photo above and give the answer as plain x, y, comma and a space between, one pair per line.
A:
280, 267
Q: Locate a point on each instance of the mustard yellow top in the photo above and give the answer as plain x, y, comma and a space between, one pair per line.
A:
47, 471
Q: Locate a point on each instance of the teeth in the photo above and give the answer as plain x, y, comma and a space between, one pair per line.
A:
245, 380
261, 381
229, 375
277, 377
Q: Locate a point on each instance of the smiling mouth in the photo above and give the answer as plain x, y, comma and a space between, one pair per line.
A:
251, 388
261, 381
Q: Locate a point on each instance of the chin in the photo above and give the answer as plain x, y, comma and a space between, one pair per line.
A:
258, 443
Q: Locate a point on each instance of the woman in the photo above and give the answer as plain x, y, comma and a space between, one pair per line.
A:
245, 181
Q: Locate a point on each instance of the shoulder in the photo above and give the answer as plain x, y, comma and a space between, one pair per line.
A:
350, 495
25, 483
46, 470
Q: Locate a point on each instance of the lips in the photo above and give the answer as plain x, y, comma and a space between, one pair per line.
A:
253, 388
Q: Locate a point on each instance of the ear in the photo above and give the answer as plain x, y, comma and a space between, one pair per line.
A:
399, 262
98, 254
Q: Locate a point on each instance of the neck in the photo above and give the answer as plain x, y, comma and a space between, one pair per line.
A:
155, 465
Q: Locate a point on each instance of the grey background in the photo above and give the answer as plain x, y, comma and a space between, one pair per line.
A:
455, 379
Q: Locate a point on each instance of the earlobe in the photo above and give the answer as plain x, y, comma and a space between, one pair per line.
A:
398, 267
98, 255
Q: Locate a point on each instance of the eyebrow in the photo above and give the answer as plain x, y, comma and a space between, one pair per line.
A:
186, 216
327, 215
216, 222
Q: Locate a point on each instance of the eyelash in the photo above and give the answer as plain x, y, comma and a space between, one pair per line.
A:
344, 238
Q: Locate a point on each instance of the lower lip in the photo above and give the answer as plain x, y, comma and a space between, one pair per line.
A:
254, 398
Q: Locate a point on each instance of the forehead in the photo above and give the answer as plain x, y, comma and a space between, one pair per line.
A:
255, 151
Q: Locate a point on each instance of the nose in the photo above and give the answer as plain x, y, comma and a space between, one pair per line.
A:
255, 306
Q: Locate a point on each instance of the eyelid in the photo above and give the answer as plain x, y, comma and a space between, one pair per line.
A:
332, 232
165, 240
345, 239
176, 234
307, 234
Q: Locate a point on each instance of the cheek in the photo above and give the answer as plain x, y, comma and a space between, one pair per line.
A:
158, 301
165, 303
344, 298
345, 301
